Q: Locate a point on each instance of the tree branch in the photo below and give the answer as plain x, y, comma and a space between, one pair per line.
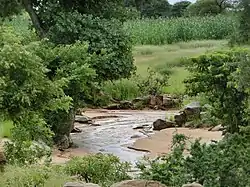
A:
34, 18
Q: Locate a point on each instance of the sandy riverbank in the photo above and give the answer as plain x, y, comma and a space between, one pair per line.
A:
160, 142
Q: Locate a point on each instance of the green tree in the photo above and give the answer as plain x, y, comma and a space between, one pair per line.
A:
214, 75
26, 94
153, 8
207, 7
65, 23
179, 8
244, 29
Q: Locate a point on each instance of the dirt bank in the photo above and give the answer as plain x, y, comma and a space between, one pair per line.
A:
160, 142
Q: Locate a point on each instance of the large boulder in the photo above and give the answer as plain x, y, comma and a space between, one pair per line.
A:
80, 184
192, 110
217, 128
82, 119
180, 119
138, 183
160, 124
194, 184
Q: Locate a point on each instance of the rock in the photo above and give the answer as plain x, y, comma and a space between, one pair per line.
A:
83, 119
180, 119
217, 128
95, 124
156, 101
76, 130
64, 142
144, 100
167, 100
160, 124
192, 110
112, 107
138, 183
126, 105
79, 184
152, 101
194, 184
135, 136
170, 101
140, 127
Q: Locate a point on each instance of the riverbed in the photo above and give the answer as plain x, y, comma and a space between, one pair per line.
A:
113, 133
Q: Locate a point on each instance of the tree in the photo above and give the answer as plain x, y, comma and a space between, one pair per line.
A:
244, 29
26, 94
153, 8
207, 7
179, 8
65, 23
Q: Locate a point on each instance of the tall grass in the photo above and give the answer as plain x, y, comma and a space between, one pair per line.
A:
168, 31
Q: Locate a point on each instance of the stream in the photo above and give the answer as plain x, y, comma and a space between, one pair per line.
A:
114, 133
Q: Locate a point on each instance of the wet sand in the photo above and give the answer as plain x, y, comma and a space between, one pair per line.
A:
160, 142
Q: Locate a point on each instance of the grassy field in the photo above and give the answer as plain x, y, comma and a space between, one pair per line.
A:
170, 56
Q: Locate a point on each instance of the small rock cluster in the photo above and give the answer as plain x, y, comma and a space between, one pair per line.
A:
190, 112
129, 183
157, 102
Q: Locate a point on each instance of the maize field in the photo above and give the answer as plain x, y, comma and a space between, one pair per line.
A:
168, 31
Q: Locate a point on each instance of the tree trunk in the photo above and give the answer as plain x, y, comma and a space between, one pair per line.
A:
34, 18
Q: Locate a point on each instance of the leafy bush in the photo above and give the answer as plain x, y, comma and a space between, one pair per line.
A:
100, 169
214, 75
167, 31
224, 163
153, 83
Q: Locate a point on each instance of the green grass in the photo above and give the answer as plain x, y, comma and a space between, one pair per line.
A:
123, 89
5, 129
170, 57
168, 31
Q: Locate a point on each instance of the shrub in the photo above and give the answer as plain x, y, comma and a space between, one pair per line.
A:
100, 169
214, 75
153, 84
167, 31
224, 163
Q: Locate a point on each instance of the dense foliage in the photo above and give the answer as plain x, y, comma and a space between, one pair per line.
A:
179, 8
106, 38
219, 164
214, 75
26, 92
244, 29
99, 169
167, 31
